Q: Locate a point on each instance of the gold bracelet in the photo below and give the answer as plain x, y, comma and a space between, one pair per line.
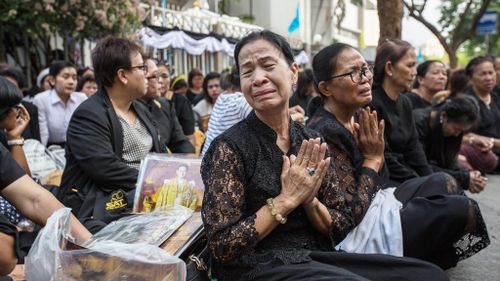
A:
277, 216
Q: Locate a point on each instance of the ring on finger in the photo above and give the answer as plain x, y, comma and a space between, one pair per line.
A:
311, 171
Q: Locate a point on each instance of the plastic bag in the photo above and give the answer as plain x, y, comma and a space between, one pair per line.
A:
50, 259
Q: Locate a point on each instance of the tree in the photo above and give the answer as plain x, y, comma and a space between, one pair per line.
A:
455, 30
31, 24
390, 15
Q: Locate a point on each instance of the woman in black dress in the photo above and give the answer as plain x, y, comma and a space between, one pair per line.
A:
273, 208
481, 147
441, 129
431, 78
393, 74
431, 220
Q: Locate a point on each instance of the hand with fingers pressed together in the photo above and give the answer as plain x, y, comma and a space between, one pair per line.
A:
302, 175
369, 134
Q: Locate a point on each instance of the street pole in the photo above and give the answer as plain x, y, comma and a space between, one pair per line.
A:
487, 42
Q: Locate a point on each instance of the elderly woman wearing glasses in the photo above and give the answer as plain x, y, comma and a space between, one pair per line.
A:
108, 136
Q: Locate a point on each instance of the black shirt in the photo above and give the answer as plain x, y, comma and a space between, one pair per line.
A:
9, 169
441, 152
169, 128
416, 101
184, 111
403, 154
488, 125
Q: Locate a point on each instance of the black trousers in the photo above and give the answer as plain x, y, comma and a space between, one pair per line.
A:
355, 267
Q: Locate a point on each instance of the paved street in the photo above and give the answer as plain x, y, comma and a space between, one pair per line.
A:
485, 266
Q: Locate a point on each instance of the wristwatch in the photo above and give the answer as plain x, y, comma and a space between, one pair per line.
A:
16, 142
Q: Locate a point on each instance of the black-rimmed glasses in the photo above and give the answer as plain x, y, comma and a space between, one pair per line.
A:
357, 75
144, 67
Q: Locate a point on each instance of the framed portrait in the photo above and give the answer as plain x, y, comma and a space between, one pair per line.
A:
168, 180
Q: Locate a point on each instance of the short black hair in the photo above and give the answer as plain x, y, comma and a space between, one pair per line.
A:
10, 96
422, 70
83, 80
271, 37
192, 74
178, 83
16, 73
109, 55
57, 66
473, 63
461, 109
325, 61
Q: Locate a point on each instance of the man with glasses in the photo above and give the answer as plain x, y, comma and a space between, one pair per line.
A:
108, 136
163, 114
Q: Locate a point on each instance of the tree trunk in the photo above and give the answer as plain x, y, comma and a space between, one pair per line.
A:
452, 55
27, 59
390, 14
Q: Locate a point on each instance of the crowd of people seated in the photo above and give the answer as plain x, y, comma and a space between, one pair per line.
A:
297, 163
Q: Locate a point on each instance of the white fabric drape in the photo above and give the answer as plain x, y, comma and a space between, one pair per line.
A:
180, 40
380, 231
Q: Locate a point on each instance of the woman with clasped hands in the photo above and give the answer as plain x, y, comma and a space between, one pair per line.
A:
271, 208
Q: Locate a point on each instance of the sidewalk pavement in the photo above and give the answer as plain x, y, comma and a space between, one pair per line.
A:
484, 266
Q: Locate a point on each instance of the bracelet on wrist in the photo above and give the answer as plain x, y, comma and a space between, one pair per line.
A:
13, 142
277, 216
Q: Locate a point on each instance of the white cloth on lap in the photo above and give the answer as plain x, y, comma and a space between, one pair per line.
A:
380, 230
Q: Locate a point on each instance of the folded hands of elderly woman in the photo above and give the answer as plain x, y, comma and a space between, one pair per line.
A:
302, 175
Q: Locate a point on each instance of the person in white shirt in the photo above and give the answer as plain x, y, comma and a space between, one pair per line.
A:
56, 106
211, 91
229, 109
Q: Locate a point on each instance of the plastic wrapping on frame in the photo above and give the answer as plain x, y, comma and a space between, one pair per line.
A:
49, 258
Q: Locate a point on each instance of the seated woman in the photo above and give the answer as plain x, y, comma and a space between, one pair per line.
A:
108, 136
56, 106
211, 91
163, 114
272, 208
183, 107
481, 147
344, 80
394, 71
441, 129
431, 78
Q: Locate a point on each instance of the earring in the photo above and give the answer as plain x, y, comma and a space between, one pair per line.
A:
294, 87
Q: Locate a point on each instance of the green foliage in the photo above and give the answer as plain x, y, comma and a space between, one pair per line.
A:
76, 18
449, 23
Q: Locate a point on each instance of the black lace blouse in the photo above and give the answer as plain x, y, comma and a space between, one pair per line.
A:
240, 171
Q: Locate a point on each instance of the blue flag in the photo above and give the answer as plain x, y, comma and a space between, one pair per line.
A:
294, 25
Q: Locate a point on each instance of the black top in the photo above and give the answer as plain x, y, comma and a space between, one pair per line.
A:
441, 152
488, 125
94, 166
192, 97
9, 169
416, 101
240, 170
184, 111
403, 154
169, 129
32, 131
302, 101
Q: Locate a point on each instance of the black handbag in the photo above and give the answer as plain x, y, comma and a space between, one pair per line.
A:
197, 258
